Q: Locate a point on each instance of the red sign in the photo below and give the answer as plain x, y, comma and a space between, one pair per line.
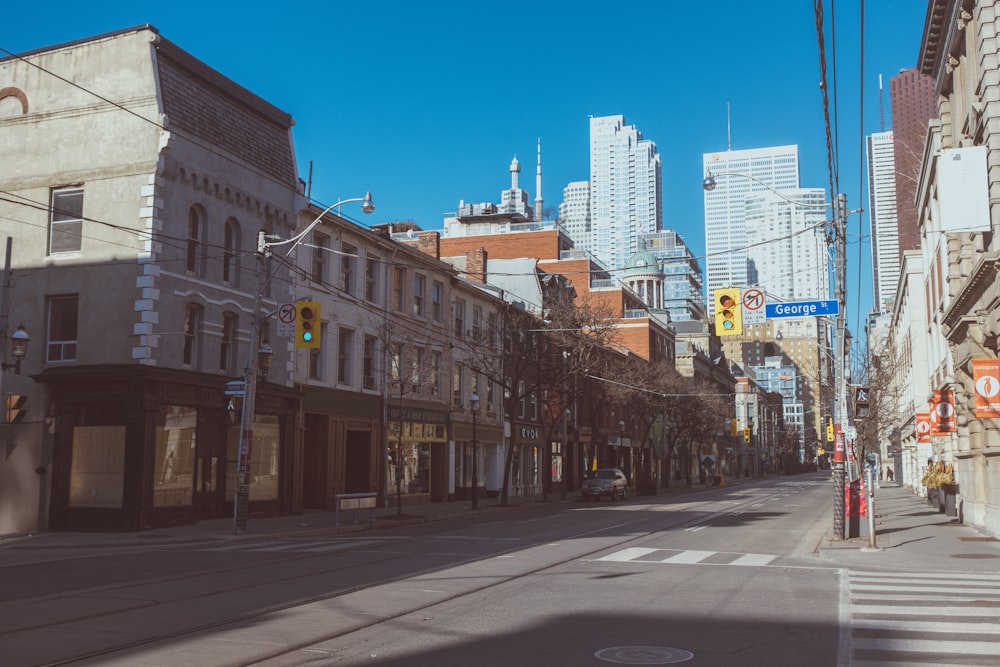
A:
942, 411
986, 376
923, 427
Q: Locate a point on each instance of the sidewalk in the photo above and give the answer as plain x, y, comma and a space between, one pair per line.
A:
910, 534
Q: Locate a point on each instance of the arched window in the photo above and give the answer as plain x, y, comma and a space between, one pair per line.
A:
195, 241
231, 253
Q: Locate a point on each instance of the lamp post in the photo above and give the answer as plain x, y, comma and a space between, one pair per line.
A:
836, 236
474, 406
260, 362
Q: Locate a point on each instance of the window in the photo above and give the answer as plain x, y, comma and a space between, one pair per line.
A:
192, 323
371, 279
66, 220
456, 385
398, 285
61, 341
437, 295
317, 359
228, 347
174, 457
522, 397
321, 246
489, 397
195, 234
345, 341
368, 355
231, 253
434, 374
416, 370
349, 255
395, 364
418, 295
459, 318
477, 323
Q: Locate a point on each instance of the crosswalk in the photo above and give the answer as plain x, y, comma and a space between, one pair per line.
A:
288, 546
935, 618
688, 557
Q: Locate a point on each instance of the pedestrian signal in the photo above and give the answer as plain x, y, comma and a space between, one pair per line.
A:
307, 324
728, 312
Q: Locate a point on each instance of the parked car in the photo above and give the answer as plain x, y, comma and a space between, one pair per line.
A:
608, 482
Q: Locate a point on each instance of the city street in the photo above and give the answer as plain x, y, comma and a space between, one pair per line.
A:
743, 574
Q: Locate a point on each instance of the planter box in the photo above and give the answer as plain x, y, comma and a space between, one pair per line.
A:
932, 496
949, 502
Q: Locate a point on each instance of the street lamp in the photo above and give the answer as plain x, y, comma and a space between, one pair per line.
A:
19, 349
836, 236
261, 361
474, 406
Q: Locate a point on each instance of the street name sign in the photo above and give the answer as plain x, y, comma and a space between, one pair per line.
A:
802, 308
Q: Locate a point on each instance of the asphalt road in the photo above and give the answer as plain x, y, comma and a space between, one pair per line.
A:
728, 576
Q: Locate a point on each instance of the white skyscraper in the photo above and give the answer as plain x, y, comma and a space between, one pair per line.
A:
574, 213
726, 263
625, 189
786, 244
883, 218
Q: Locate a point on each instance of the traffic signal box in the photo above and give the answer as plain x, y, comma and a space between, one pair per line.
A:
728, 312
746, 435
307, 324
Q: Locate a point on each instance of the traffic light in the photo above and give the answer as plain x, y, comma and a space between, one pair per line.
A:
15, 408
861, 404
728, 313
307, 324
746, 435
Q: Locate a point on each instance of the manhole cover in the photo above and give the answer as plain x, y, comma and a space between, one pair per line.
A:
643, 655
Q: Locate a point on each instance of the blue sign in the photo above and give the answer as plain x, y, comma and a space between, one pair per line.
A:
802, 308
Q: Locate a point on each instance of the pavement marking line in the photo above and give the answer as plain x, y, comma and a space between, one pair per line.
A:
752, 560
965, 627
948, 650
932, 611
689, 557
628, 554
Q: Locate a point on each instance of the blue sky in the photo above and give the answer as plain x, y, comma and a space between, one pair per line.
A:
425, 103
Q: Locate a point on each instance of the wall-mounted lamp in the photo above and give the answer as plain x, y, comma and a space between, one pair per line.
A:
19, 349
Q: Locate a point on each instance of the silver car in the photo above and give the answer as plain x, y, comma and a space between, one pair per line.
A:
608, 482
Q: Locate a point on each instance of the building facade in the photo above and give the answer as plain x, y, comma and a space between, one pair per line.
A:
914, 104
882, 217
625, 190
135, 255
737, 175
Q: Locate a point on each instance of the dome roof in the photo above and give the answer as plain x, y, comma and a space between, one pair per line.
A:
642, 262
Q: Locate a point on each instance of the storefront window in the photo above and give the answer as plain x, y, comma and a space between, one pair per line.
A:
264, 458
97, 472
175, 450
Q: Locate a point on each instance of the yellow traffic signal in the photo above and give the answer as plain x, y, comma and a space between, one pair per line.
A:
728, 312
15, 408
746, 435
307, 324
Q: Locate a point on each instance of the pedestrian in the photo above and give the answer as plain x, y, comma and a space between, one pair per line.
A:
890, 473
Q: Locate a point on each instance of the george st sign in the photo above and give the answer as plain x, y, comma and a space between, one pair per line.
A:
802, 308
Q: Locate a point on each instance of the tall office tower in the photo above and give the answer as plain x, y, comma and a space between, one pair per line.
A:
726, 263
682, 282
786, 244
625, 189
914, 104
574, 213
883, 218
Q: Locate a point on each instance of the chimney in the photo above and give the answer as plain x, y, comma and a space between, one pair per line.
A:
475, 265
429, 243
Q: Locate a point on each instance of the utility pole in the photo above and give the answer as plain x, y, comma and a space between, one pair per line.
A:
837, 235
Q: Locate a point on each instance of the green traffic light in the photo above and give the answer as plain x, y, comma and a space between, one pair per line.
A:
307, 336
